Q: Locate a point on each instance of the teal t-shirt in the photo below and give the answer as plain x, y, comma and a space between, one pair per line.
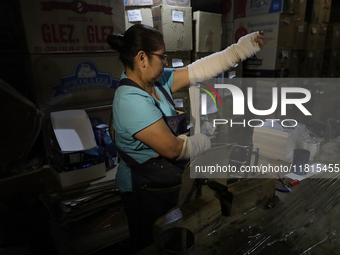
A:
133, 110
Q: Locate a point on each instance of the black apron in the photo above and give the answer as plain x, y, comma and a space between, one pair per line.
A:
155, 183
158, 172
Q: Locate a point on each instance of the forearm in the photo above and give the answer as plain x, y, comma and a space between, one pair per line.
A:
172, 151
216, 63
193, 146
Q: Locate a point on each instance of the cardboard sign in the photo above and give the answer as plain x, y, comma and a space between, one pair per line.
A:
71, 26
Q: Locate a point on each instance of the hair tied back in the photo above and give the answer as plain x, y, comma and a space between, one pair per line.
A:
116, 42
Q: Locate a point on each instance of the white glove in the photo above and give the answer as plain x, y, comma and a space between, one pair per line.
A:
216, 63
193, 146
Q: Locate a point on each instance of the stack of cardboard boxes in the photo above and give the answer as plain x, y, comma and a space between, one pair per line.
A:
317, 18
73, 68
316, 42
228, 11
72, 65
331, 60
300, 41
174, 20
299, 53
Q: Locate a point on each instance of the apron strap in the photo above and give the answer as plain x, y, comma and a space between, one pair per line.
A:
129, 161
128, 82
165, 93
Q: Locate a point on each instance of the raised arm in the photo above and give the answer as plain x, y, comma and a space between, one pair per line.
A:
218, 62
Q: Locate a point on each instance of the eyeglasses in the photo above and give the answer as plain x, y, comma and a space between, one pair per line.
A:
162, 57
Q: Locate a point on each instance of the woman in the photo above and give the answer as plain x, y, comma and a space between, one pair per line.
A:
144, 137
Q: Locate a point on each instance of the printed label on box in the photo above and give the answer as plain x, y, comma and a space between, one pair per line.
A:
276, 32
247, 8
182, 3
75, 80
71, 26
138, 2
134, 15
177, 16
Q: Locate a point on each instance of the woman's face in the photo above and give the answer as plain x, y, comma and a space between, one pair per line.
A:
157, 62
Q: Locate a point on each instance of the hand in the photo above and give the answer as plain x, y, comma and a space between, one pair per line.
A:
260, 39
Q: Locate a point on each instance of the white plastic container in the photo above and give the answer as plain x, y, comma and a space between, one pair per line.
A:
312, 145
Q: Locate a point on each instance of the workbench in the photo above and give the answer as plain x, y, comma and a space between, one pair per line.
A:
303, 221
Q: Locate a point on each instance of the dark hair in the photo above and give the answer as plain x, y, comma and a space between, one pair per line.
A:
138, 37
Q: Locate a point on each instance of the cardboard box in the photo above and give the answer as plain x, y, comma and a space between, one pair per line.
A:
207, 31
269, 62
334, 13
175, 23
300, 35
248, 8
316, 36
178, 59
278, 29
318, 11
66, 81
331, 63
75, 156
66, 179
72, 161
333, 36
138, 15
227, 35
313, 63
60, 26
138, 2
297, 62
269, 59
180, 3
299, 8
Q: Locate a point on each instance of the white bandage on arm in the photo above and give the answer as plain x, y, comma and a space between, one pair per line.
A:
216, 63
193, 145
